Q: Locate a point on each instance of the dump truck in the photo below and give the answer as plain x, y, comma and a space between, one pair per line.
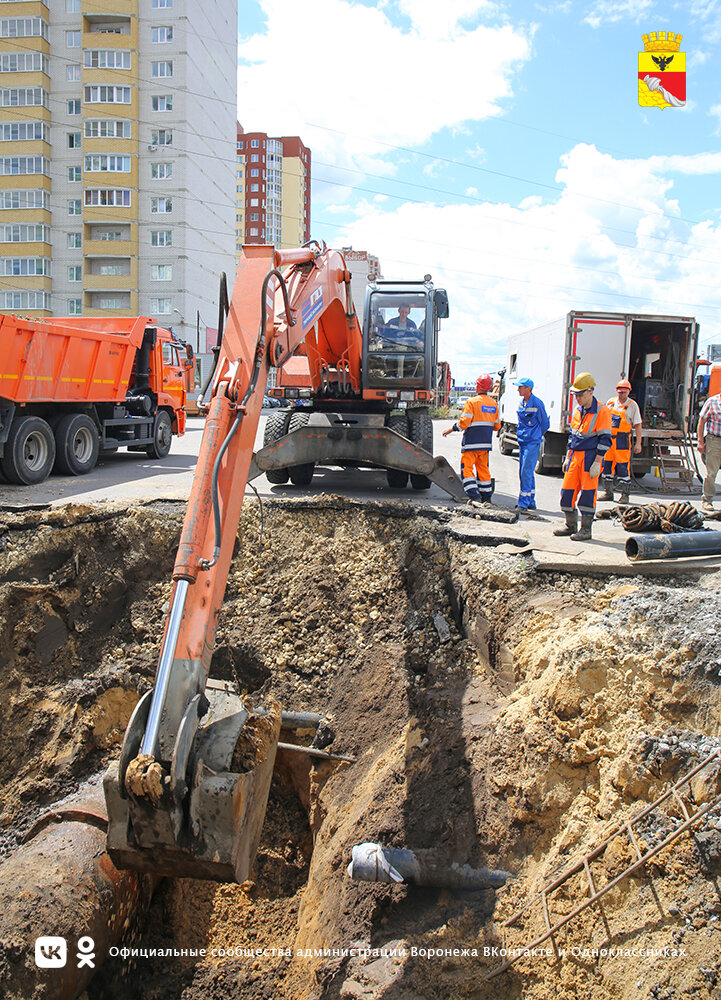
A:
656, 353
72, 388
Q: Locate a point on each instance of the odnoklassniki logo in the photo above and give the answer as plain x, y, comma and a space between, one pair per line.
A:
662, 71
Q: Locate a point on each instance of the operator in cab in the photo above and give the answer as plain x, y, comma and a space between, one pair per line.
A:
402, 331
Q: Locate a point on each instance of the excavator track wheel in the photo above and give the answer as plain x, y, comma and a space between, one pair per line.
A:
397, 479
276, 427
420, 427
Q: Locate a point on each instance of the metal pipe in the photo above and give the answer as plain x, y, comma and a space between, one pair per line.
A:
165, 663
62, 885
674, 546
373, 863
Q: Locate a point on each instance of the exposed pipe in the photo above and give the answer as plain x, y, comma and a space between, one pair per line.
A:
374, 863
675, 546
62, 884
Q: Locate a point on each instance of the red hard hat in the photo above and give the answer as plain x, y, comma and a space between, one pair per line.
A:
484, 383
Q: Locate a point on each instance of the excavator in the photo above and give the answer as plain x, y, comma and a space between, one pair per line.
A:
188, 795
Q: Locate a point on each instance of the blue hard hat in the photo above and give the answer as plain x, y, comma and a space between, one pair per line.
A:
525, 381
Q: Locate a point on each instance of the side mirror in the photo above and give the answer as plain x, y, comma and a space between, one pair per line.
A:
440, 299
189, 352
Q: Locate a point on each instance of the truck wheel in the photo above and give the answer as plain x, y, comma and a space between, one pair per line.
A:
276, 427
300, 475
397, 480
162, 436
77, 445
29, 452
420, 427
504, 444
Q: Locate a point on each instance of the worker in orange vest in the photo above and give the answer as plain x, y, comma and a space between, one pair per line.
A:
588, 442
478, 421
625, 416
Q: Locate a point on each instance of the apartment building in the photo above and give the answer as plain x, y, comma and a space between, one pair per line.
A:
117, 167
273, 190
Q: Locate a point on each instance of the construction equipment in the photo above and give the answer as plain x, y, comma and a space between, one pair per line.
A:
362, 405
71, 388
188, 794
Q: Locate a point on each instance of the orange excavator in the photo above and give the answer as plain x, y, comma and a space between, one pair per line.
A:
187, 796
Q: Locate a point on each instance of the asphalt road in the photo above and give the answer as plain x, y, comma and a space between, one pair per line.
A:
129, 476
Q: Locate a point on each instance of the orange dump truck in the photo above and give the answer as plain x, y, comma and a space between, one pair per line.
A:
71, 388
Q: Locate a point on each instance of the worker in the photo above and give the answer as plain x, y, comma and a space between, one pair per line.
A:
588, 442
401, 330
532, 424
709, 446
478, 421
625, 415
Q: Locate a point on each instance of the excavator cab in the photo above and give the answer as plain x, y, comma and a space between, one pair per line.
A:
401, 334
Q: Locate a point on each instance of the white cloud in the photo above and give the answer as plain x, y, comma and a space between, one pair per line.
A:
611, 240
348, 81
611, 11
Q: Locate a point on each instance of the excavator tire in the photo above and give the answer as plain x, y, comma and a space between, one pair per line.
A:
276, 427
420, 427
300, 475
397, 480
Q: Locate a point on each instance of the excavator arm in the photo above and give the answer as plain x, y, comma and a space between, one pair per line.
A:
188, 794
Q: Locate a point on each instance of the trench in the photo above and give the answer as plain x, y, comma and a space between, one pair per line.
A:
497, 715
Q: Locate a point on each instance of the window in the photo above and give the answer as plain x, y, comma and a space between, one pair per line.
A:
103, 128
117, 302
72, 39
23, 165
25, 300
161, 237
106, 59
116, 197
107, 162
73, 107
16, 198
161, 272
75, 241
23, 131
74, 72
254, 143
253, 231
72, 6
24, 266
160, 69
25, 234
254, 157
161, 34
254, 172
110, 269
162, 102
20, 97
23, 62
23, 27
161, 171
75, 272
107, 95
162, 4
254, 217
74, 140
161, 307
254, 203
162, 137
75, 207
74, 174
111, 234
75, 307
158, 206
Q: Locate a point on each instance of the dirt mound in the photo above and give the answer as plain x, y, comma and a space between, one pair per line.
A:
500, 717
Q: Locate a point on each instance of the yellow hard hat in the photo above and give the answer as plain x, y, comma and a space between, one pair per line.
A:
582, 382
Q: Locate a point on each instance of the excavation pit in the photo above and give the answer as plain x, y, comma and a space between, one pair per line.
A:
503, 717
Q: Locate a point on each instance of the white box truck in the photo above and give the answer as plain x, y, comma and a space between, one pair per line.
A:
656, 353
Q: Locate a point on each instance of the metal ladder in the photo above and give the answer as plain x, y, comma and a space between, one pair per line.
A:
671, 457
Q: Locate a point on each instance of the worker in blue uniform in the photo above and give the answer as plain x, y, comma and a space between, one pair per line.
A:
532, 424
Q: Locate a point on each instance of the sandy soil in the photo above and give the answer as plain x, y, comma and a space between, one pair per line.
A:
500, 716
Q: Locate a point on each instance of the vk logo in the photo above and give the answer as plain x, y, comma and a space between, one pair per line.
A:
51, 952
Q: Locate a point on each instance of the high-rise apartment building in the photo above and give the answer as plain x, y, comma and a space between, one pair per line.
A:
273, 190
117, 167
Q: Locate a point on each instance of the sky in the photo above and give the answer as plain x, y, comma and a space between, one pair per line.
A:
500, 147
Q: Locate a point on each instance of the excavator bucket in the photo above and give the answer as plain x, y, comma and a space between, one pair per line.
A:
202, 817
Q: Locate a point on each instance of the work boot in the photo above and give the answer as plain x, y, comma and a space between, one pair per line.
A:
571, 523
607, 490
623, 499
584, 535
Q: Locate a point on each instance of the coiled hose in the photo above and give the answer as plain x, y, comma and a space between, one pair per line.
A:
665, 517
